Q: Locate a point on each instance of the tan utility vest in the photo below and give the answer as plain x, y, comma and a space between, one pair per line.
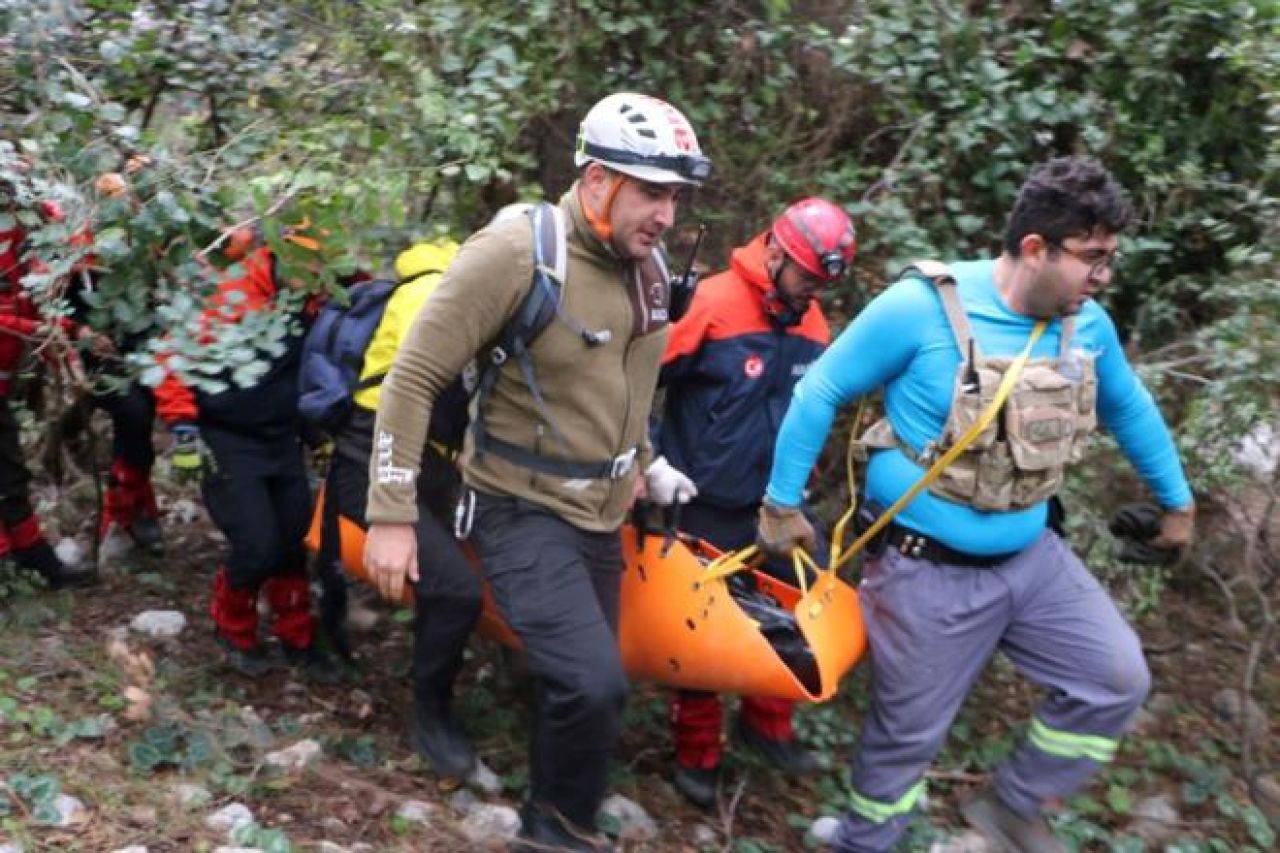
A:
1020, 458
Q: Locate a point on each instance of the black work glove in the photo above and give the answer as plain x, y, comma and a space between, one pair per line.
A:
1135, 526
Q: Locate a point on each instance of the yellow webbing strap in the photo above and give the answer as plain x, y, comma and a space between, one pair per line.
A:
736, 561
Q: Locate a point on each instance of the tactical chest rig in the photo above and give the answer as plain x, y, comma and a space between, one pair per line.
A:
1019, 459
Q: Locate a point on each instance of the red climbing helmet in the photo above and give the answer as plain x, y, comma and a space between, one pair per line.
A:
818, 236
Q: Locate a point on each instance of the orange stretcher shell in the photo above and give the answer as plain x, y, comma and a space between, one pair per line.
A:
677, 630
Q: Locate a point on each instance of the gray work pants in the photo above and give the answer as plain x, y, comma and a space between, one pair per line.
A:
932, 629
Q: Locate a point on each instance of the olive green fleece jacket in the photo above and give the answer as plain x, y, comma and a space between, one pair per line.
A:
598, 396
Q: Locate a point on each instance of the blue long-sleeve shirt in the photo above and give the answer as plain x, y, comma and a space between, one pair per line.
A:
902, 341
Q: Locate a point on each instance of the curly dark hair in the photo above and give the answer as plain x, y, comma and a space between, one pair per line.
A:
1067, 197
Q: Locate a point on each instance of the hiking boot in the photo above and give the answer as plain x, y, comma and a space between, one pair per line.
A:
436, 736
541, 832
252, 662
314, 664
987, 813
697, 784
41, 559
789, 756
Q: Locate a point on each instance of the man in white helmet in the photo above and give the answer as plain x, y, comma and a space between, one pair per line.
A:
552, 460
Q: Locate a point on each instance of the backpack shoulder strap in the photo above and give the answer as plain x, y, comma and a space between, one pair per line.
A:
944, 281
1065, 331
550, 265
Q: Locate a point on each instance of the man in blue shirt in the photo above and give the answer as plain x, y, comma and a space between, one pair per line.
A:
970, 566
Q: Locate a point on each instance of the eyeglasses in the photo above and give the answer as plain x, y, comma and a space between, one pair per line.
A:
1096, 259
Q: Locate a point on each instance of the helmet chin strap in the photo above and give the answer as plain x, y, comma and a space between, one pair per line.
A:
782, 313
600, 223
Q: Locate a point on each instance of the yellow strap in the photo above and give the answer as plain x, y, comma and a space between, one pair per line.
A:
736, 561
962, 443
837, 534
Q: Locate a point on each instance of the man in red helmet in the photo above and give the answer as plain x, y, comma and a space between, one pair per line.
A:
750, 333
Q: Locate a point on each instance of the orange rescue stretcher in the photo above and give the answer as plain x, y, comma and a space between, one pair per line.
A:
679, 624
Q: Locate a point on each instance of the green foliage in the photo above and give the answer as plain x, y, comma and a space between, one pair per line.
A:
38, 793
361, 751
172, 745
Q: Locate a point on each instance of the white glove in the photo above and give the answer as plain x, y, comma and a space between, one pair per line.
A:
668, 485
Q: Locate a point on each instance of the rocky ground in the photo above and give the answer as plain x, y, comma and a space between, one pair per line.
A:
119, 731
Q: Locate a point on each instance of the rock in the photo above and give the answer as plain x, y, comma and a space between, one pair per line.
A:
229, 818
1161, 703
70, 552
362, 619
823, 830
463, 801
333, 824
10, 848
184, 511
704, 836
1259, 450
71, 811
144, 816
300, 756
484, 779
330, 847
965, 842
1143, 723
116, 544
417, 811
190, 796
1269, 798
225, 849
137, 848
488, 823
634, 823
1155, 820
159, 624
1227, 704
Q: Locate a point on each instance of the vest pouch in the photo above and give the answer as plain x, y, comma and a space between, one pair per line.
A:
1040, 419
1086, 404
968, 404
1032, 487
879, 436
994, 478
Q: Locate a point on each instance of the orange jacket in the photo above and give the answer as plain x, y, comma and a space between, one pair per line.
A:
177, 403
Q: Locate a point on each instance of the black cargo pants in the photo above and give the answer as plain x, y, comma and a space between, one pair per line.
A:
558, 588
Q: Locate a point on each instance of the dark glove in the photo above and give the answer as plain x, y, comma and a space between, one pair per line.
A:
1148, 534
782, 529
190, 456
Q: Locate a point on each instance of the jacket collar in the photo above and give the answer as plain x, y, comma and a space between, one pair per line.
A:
571, 203
749, 263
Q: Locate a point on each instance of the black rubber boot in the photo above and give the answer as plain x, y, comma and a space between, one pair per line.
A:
789, 756
541, 830
697, 784
333, 611
441, 632
148, 536
253, 662
314, 664
41, 559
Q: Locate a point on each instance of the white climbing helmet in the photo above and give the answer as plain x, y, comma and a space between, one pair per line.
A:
643, 137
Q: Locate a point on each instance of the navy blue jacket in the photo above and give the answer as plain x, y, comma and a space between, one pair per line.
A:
729, 369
